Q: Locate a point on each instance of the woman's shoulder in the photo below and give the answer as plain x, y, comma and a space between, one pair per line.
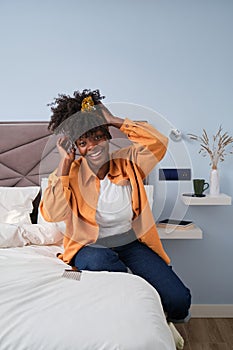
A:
122, 153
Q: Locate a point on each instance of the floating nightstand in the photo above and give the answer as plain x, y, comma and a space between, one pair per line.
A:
174, 233
221, 199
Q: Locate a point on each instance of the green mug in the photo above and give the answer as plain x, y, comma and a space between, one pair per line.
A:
199, 186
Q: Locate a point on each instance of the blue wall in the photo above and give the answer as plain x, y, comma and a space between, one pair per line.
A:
174, 57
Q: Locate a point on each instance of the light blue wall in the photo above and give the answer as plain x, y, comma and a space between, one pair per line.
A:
173, 56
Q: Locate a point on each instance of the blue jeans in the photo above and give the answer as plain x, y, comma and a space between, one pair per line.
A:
144, 262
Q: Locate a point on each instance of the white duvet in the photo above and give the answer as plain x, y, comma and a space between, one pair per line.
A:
41, 310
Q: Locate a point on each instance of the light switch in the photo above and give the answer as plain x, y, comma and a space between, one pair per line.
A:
174, 174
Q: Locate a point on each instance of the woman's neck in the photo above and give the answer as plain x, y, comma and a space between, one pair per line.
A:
101, 172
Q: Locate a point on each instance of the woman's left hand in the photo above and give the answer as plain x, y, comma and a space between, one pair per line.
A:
109, 117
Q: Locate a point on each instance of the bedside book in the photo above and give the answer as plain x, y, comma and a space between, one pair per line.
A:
177, 224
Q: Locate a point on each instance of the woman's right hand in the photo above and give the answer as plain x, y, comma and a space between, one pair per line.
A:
65, 154
67, 157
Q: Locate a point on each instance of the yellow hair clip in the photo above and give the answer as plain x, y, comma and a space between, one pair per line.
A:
87, 104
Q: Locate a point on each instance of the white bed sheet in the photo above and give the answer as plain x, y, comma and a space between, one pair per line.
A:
41, 310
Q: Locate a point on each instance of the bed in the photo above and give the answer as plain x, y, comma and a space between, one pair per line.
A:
40, 309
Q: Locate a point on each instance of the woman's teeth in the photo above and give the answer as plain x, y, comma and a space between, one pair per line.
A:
96, 154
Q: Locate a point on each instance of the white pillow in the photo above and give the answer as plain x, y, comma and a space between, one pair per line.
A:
11, 236
41, 234
16, 204
40, 220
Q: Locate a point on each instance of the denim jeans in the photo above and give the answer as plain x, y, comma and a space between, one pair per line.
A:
144, 262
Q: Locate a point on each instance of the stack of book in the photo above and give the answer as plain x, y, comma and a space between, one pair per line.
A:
177, 224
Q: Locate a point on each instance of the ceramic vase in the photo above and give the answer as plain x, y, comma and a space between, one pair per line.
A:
214, 183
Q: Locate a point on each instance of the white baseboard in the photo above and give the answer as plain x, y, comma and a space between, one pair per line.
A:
212, 310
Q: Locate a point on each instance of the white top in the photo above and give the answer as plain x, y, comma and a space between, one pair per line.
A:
114, 209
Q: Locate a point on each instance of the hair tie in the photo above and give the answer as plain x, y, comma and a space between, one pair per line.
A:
87, 104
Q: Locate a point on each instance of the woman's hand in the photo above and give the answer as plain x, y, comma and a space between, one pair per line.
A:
67, 157
66, 150
109, 117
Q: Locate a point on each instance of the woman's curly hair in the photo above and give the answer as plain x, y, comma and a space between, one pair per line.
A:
65, 106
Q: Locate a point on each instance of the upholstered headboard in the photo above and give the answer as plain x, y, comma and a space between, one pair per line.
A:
27, 153
25, 146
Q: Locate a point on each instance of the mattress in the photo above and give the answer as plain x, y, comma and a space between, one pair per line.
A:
40, 309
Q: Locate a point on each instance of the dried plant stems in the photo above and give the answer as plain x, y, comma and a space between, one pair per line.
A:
218, 149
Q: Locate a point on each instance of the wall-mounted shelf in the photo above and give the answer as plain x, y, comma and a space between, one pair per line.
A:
222, 199
173, 233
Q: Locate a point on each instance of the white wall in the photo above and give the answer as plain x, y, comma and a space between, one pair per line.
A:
174, 57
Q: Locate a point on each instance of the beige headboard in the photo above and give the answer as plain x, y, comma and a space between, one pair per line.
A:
27, 153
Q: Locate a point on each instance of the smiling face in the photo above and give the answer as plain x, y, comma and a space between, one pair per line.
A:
94, 146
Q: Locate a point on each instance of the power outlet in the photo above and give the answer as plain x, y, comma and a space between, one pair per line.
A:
173, 174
